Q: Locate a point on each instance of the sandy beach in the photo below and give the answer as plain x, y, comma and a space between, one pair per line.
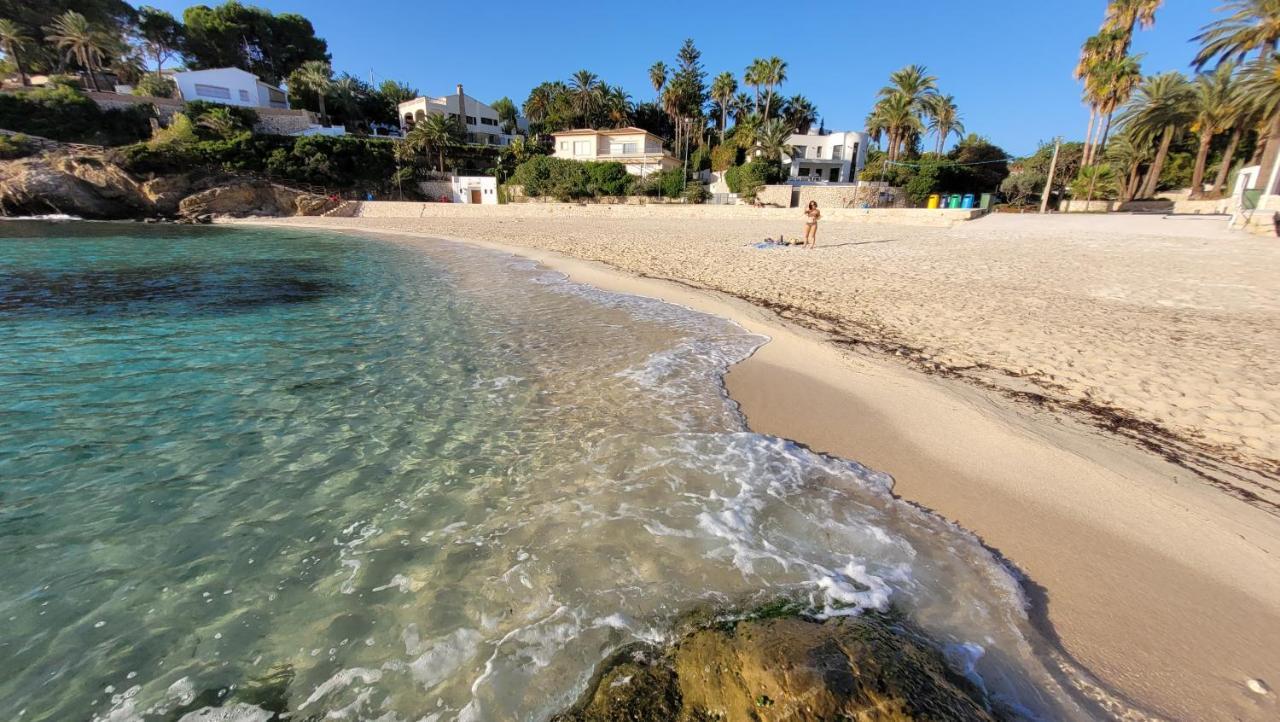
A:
1094, 397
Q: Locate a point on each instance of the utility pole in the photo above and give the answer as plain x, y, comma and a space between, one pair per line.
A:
1048, 184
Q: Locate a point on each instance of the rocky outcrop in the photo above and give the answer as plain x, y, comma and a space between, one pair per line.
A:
872, 667
253, 198
92, 186
84, 186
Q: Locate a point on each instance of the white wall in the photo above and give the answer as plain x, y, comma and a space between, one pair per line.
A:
449, 104
487, 185
820, 148
241, 88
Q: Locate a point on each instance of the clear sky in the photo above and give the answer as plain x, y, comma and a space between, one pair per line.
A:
1007, 62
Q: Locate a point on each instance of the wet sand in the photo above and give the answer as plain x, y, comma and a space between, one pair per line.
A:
1148, 538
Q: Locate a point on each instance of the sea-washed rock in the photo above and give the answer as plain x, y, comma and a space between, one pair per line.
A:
872, 667
84, 186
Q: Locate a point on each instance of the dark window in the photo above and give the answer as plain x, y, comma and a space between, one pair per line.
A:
471, 120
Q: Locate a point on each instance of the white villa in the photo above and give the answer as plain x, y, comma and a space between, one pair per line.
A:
639, 150
229, 86
826, 157
481, 121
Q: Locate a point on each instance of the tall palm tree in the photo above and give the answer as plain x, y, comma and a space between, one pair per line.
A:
754, 76
347, 92
1097, 50
658, 76
742, 107
913, 82
944, 119
1158, 111
897, 117
1250, 25
1244, 115
73, 35
538, 105
313, 76
774, 73
584, 92
1123, 15
723, 89
1214, 107
800, 113
617, 103
1114, 81
14, 42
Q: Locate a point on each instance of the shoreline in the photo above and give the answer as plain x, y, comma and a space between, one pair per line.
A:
1121, 550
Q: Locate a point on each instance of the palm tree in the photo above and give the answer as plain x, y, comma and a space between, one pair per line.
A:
1244, 116
1214, 106
617, 105
1250, 25
1127, 157
753, 76
944, 119
799, 113
771, 139
14, 43
897, 118
1158, 110
1114, 82
723, 89
439, 132
220, 122
742, 107
913, 82
773, 73
1122, 15
347, 92
538, 105
72, 34
313, 76
1260, 81
658, 76
1094, 53
584, 90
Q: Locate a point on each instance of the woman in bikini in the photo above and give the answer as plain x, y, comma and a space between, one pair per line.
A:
811, 214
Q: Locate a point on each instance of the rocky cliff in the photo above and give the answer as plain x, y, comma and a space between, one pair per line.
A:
94, 187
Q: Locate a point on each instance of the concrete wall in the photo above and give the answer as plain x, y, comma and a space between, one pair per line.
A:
895, 216
838, 196
1181, 206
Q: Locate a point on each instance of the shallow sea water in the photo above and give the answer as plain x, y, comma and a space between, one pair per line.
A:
289, 471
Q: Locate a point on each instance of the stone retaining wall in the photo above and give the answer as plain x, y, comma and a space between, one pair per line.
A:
897, 216
271, 121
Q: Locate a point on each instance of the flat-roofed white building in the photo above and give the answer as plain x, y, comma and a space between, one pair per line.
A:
229, 86
638, 149
483, 127
826, 157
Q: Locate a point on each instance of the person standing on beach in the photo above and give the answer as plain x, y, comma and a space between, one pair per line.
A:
811, 214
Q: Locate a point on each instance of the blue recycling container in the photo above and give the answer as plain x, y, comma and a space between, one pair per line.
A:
967, 201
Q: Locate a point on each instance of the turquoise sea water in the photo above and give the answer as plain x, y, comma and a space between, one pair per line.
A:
288, 472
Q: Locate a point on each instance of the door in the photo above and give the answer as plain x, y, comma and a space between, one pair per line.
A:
475, 195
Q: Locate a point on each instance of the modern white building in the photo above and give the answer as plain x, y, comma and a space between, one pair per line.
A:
826, 157
229, 86
639, 150
465, 189
480, 120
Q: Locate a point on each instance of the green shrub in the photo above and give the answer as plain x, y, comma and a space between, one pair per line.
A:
16, 146
180, 131
242, 118
667, 183
155, 86
752, 175
700, 159
725, 156
697, 193
64, 113
608, 179
1103, 179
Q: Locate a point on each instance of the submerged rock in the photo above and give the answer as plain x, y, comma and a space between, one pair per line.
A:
872, 667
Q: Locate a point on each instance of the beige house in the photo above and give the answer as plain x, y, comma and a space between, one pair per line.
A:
639, 150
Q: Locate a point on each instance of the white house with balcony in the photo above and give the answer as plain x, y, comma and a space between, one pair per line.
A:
483, 127
229, 86
825, 157
639, 150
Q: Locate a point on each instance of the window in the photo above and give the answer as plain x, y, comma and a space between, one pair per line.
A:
798, 151
244, 96
837, 152
582, 147
817, 151
564, 145
213, 91
471, 120
631, 148
488, 121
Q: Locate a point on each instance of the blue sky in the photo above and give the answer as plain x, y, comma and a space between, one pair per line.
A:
1007, 62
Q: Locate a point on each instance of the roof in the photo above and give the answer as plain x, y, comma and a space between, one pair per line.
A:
631, 130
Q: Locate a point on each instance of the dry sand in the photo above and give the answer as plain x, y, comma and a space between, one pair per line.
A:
1100, 406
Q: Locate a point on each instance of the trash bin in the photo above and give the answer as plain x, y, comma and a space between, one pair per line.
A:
953, 201
933, 200
967, 201
985, 202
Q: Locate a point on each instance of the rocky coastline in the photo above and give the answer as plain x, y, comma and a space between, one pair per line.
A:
94, 187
